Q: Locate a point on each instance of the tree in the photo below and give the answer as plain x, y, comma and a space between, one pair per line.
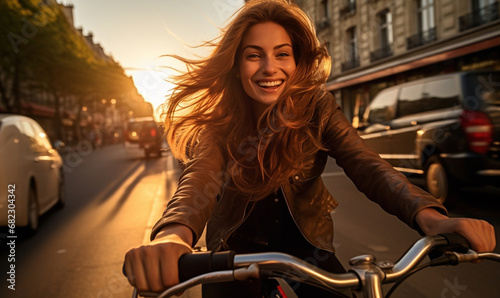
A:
42, 52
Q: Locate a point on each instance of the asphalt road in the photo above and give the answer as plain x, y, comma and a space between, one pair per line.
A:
114, 198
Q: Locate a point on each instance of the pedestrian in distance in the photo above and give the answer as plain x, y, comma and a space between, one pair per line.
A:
254, 127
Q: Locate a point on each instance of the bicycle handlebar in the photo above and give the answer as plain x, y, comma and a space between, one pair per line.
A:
207, 267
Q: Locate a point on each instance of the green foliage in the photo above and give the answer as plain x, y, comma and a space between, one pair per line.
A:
39, 48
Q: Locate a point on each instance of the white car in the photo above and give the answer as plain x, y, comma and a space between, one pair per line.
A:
31, 173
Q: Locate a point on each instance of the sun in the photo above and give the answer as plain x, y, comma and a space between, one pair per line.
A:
152, 85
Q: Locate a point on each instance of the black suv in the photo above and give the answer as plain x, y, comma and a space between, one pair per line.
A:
444, 128
146, 134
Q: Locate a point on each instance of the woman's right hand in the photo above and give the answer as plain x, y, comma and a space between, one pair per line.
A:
153, 267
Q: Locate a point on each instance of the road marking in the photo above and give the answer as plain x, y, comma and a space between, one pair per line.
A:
158, 203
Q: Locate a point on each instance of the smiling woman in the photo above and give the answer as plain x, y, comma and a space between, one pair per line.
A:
254, 127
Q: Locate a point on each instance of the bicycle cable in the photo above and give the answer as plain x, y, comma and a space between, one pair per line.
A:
399, 282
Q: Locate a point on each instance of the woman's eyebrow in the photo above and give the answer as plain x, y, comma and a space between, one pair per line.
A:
260, 48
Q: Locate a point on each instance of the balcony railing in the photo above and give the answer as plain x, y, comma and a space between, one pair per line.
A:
323, 24
350, 64
383, 52
479, 17
421, 38
348, 9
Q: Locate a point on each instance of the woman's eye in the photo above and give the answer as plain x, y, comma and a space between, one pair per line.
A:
284, 54
253, 56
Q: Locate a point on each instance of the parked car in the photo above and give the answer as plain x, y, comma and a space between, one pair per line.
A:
145, 134
444, 128
31, 173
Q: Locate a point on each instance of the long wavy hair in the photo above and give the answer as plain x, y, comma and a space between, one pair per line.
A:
209, 98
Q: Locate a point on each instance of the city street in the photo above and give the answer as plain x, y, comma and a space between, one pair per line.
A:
114, 198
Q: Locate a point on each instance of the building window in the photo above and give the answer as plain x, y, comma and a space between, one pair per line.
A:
349, 8
324, 9
384, 20
425, 11
324, 17
351, 50
483, 11
425, 24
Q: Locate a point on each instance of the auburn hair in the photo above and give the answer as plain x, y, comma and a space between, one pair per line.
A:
209, 98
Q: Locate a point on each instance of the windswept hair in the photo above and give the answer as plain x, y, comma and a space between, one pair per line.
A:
209, 98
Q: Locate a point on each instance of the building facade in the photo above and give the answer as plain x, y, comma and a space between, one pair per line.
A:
375, 44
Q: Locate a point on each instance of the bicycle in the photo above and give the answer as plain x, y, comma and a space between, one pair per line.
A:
365, 276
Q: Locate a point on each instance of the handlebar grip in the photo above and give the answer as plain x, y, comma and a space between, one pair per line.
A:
455, 243
198, 263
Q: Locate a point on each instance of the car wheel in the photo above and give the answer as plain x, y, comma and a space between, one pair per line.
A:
61, 194
437, 180
32, 211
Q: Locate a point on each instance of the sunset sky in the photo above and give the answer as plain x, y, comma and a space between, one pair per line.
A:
137, 33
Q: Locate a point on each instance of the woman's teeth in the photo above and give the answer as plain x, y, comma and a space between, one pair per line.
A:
270, 83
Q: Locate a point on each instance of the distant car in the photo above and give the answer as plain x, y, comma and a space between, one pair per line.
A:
31, 173
444, 128
145, 134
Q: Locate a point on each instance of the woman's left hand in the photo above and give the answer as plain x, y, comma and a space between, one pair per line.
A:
479, 233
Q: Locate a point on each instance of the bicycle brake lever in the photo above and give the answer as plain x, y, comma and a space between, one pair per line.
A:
454, 258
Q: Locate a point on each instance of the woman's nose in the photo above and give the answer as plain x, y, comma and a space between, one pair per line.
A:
269, 66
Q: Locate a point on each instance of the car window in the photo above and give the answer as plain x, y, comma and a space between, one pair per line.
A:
410, 100
382, 107
440, 94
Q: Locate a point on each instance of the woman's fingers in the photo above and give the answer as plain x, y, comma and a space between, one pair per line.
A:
150, 260
481, 234
153, 267
135, 270
169, 271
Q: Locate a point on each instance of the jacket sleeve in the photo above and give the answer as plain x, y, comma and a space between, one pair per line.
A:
372, 175
199, 185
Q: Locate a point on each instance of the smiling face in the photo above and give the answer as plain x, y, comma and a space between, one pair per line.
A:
266, 63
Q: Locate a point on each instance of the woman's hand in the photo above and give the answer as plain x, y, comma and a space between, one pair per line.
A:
153, 267
479, 233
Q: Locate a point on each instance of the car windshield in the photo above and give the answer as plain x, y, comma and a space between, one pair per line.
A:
134, 126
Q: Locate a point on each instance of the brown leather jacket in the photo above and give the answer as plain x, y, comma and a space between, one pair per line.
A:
201, 197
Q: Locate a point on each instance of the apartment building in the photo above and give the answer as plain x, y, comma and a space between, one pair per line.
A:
375, 44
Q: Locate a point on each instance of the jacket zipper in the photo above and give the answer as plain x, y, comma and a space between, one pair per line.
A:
231, 231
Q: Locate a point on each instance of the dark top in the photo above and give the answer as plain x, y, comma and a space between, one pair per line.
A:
270, 228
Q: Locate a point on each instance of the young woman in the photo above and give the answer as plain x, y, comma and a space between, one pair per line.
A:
254, 126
